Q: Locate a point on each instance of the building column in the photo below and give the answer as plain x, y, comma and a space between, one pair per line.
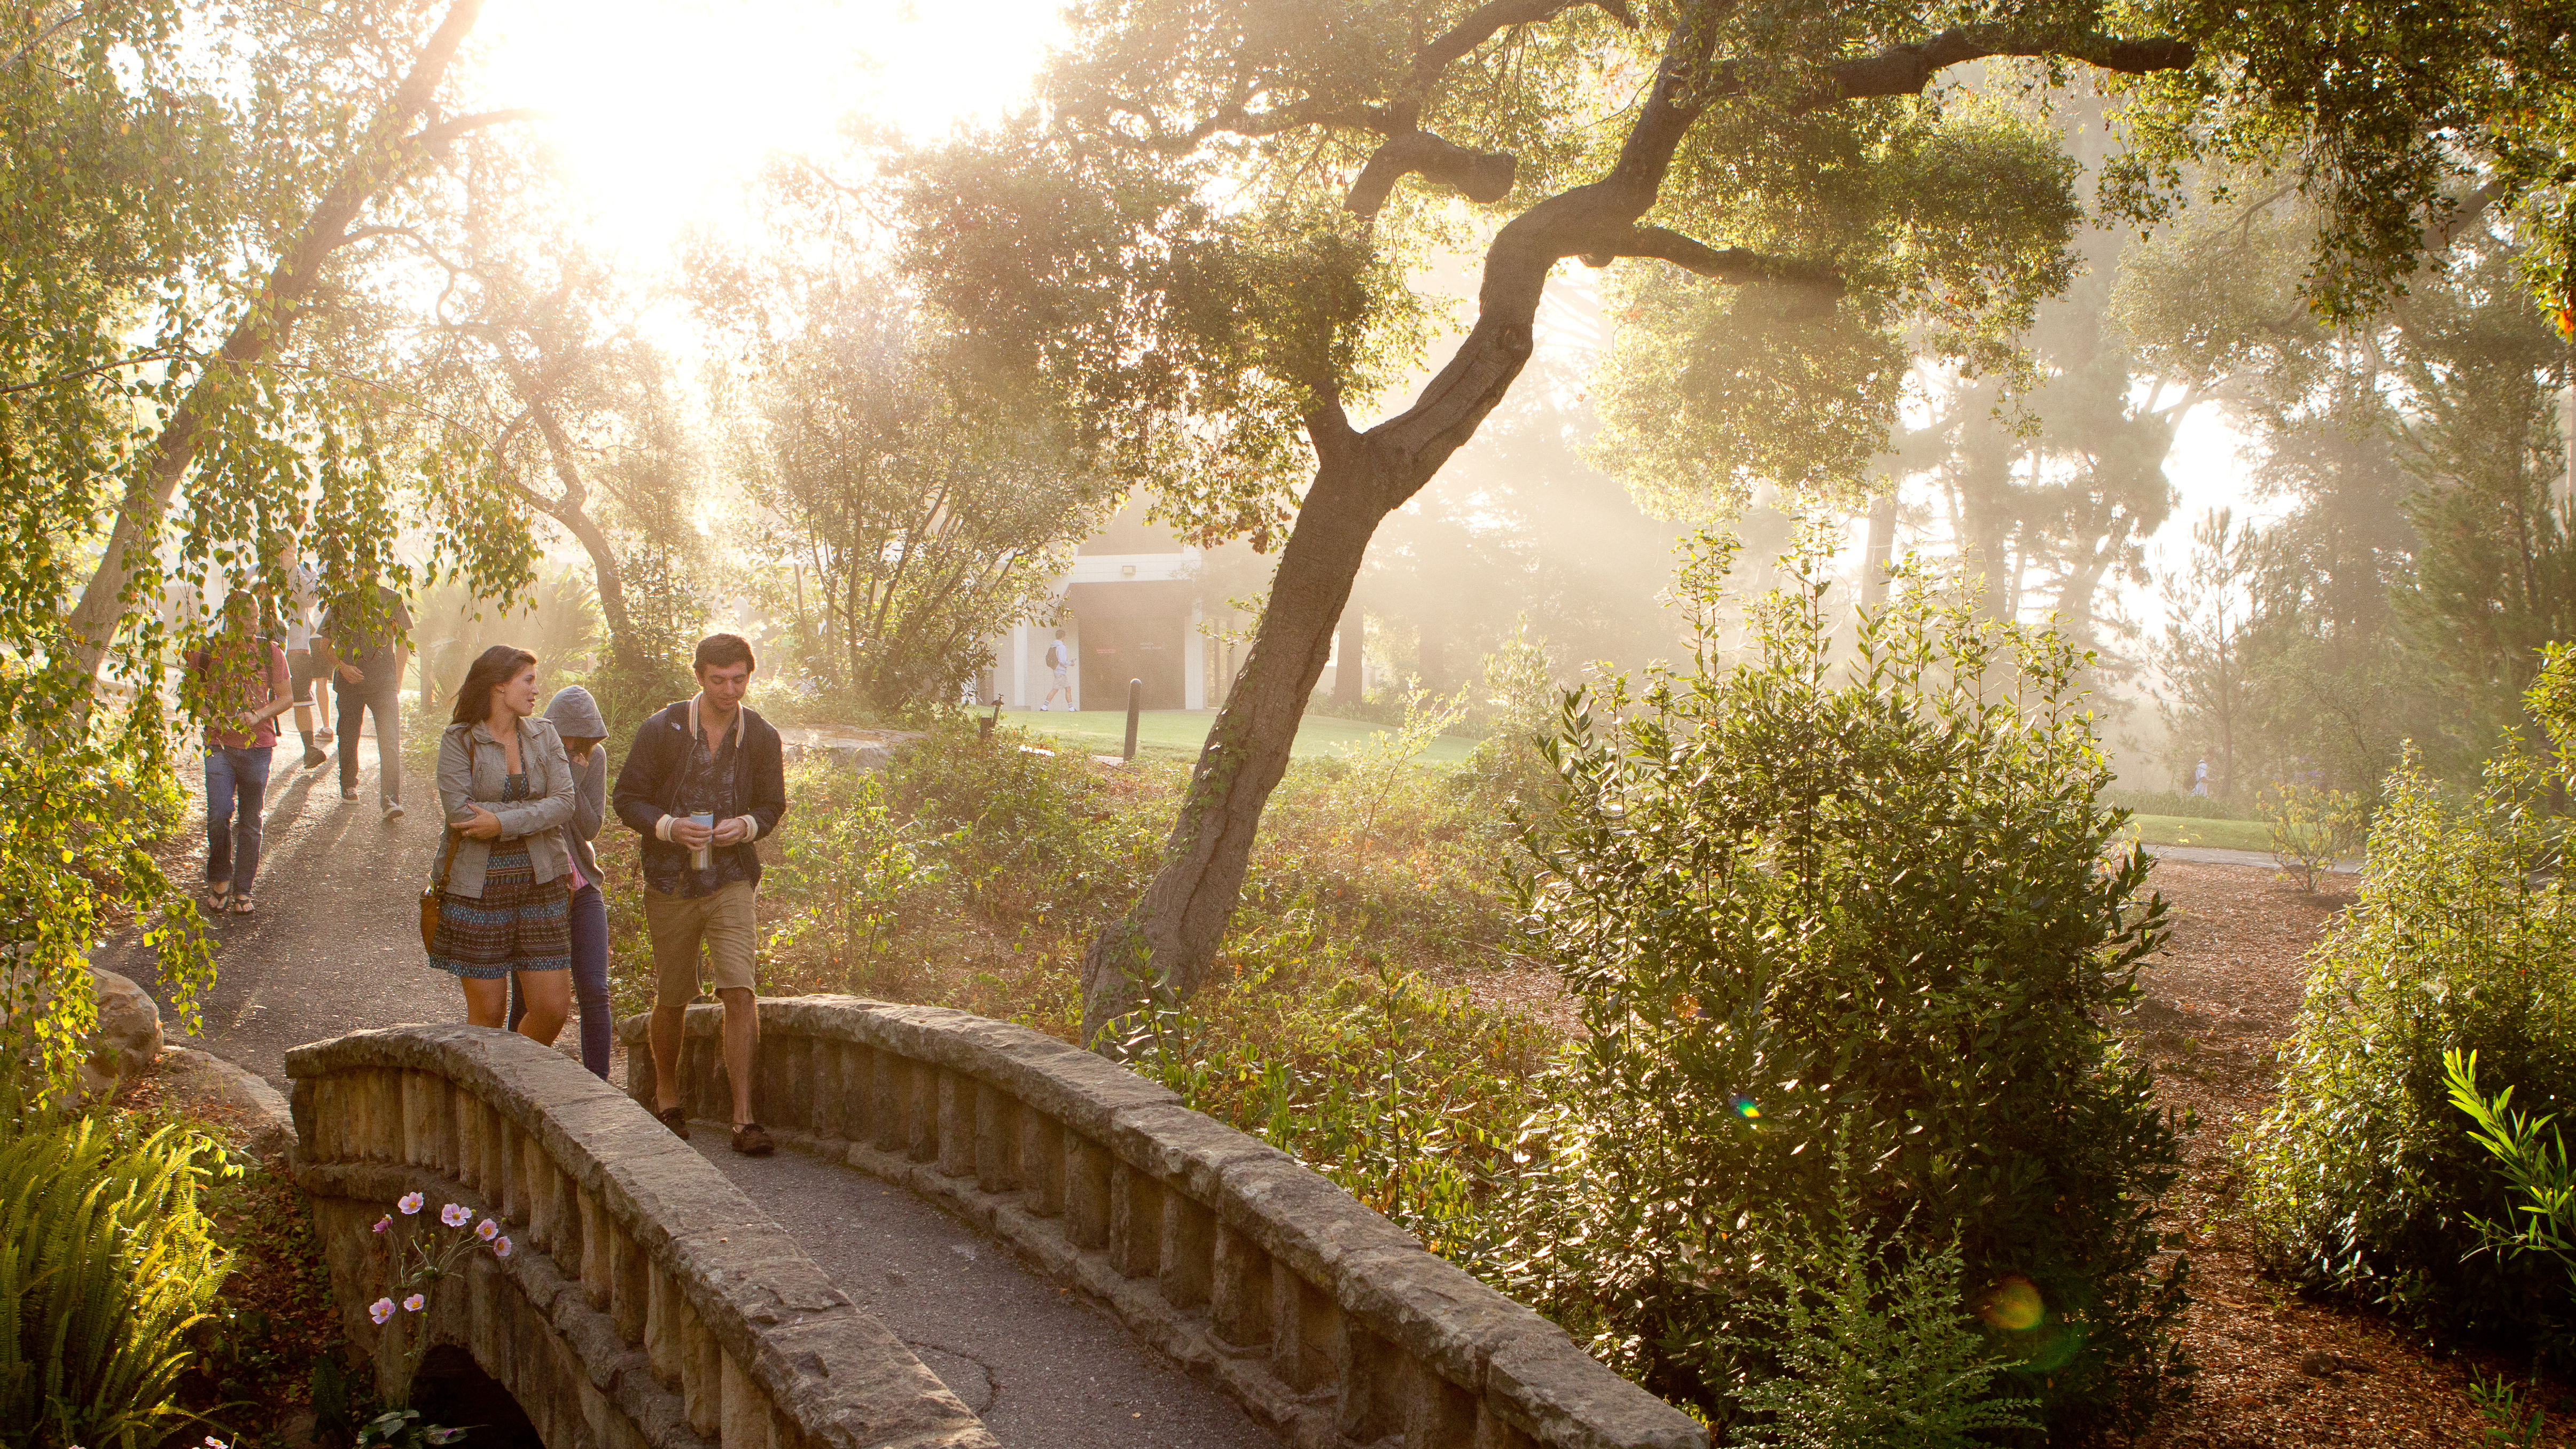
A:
1019, 666
1194, 665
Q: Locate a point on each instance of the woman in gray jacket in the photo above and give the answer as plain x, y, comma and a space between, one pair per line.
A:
575, 716
505, 789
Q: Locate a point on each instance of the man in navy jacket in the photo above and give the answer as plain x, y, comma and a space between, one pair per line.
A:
704, 779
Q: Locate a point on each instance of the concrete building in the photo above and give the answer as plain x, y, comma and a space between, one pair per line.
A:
1139, 604
1130, 609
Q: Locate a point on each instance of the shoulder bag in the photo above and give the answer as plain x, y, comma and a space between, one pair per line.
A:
430, 893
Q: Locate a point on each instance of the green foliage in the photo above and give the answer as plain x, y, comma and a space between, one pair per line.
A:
2313, 828
2512, 1423
851, 869
2537, 1178
2360, 1176
1402, 1093
1804, 900
106, 1262
1872, 1338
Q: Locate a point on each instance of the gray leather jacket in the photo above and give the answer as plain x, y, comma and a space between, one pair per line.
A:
471, 767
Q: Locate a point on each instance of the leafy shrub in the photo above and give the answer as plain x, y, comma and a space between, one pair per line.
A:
850, 868
1802, 901
106, 1262
2313, 828
2540, 1180
2363, 1177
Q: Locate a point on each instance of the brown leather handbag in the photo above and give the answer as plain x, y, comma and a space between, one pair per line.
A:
430, 893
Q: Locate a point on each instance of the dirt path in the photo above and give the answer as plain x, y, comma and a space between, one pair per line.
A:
336, 943
2276, 1369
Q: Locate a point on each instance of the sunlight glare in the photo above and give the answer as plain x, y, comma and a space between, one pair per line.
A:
662, 107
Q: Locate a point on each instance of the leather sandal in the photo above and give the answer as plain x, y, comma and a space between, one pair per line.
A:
752, 1140
675, 1118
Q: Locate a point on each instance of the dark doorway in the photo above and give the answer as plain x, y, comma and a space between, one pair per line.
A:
452, 1390
1117, 650
1132, 631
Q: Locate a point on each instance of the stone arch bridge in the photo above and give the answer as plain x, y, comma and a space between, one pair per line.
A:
653, 1301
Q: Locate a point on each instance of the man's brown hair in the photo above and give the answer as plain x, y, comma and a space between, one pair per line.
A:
722, 651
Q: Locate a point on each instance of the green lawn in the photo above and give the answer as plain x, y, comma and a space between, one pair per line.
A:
2185, 830
1180, 732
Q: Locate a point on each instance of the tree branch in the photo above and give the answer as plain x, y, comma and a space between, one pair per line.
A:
435, 138
1483, 176
1904, 70
1733, 265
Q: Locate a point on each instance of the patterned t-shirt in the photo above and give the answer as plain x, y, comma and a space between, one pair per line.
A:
710, 784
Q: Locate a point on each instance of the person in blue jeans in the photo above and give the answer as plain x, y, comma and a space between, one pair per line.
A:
239, 686
575, 716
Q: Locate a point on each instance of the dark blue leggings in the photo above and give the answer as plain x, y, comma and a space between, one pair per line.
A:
589, 978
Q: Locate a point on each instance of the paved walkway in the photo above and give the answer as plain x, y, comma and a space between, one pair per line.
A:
2213, 855
336, 947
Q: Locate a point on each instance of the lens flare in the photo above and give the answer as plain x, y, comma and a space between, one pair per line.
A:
1746, 1108
2012, 1305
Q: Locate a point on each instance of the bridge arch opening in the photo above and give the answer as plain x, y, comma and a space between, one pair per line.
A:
451, 1389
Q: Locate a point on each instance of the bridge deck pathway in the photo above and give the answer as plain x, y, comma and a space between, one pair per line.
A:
1043, 1367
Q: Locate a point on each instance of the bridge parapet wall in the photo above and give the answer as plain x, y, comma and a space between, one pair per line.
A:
1318, 1315
647, 1302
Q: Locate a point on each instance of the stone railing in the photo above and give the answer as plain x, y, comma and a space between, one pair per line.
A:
1320, 1317
648, 1302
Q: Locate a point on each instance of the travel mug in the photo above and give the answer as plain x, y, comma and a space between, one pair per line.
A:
704, 855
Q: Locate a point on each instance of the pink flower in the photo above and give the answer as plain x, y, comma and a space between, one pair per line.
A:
214, 1443
455, 1214
382, 1310
415, 1303
487, 1230
409, 1203
500, 1247
384, 1224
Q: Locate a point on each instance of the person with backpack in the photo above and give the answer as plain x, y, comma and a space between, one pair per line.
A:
504, 876
1059, 659
705, 779
242, 685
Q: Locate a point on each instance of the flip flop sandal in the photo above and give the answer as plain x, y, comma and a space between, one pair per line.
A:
242, 905
675, 1118
220, 902
752, 1140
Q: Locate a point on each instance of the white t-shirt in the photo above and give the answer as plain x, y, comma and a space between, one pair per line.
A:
1059, 658
303, 591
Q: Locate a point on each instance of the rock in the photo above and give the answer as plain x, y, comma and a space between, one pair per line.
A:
127, 1039
203, 1080
2317, 1363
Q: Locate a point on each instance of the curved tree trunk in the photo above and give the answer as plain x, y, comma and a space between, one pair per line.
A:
1166, 943
386, 155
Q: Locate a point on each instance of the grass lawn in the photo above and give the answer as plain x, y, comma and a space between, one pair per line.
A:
1180, 732
2185, 830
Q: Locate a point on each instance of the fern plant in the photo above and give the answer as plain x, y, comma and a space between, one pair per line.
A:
106, 1262
1873, 1341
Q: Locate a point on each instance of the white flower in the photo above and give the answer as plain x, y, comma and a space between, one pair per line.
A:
409, 1203
415, 1303
455, 1214
500, 1247
382, 1310
487, 1230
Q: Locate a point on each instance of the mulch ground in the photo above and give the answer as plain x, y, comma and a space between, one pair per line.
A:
2276, 1368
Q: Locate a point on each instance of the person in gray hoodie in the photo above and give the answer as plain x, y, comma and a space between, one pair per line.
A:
575, 716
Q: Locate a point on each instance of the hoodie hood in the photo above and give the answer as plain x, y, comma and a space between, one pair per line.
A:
575, 715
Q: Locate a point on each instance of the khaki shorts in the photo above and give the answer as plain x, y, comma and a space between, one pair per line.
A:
679, 923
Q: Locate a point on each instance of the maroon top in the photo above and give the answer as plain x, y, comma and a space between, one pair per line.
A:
247, 691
